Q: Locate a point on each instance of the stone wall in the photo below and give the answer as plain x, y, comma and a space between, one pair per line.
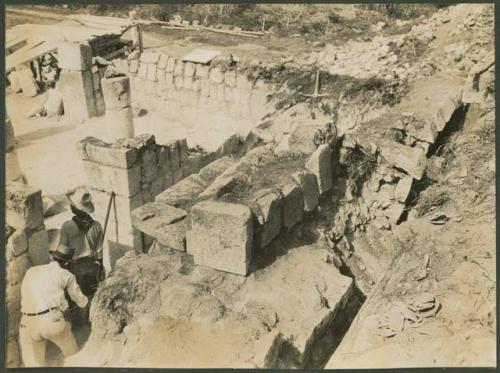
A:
173, 88
26, 244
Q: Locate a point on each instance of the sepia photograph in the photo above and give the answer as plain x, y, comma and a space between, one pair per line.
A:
250, 186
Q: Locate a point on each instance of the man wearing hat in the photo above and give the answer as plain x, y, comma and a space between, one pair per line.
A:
42, 305
85, 235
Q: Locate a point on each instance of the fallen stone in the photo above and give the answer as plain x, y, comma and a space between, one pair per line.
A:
394, 212
434, 168
38, 247
403, 189
411, 160
116, 92
269, 217
423, 130
267, 349
293, 205
95, 150
221, 236
125, 182
211, 171
23, 206
310, 190
74, 56
153, 212
184, 192
320, 164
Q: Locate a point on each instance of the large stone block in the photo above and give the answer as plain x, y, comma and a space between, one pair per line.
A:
116, 92
269, 217
23, 206
125, 182
223, 184
120, 213
293, 205
149, 165
150, 57
77, 90
17, 244
179, 68
184, 192
172, 235
74, 56
171, 63
38, 247
211, 171
149, 215
320, 164
423, 130
183, 151
10, 141
216, 75
221, 236
411, 160
142, 72
310, 190
189, 69
175, 157
95, 150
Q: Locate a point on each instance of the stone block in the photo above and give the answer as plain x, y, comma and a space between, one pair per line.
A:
169, 79
403, 189
95, 150
183, 150
142, 72
205, 87
184, 192
38, 247
267, 349
168, 181
293, 205
163, 158
23, 206
189, 69
243, 82
77, 90
149, 165
125, 182
269, 217
193, 164
434, 167
202, 71
187, 83
162, 63
394, 212
17, 244
178, 81
150, 57
116, 92
12, 167
173, 236
423, 130
171, 63
211, 171
134, 66
221, 236
151, 72
310, 190
320, 164
223, 184
230, 78
160, 74
179, 68
178, 175
216, 75
74, 56
10, 141
157, 186
147, 216
411, 160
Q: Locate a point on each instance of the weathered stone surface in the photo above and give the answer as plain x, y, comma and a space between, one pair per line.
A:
171, 65
184, 192
142, 72
293, 205
202, 71
183, 151
38, 247
77, 90
172, 236
221, 236
230, 78
224, 183
74, 56
9, 135
403, 189
434, 167
231, 146
150, 57
151, 72
17, 244
95, 150
216, 75
411, 160
23, 206
126, 182
12, 167
149, 165
269, 217
134, 66
116, 92
153, 212
425, 131
179, 68
394, 212
310, 190
267, 349
175, 158
189, 69
162, 63
320, 164
216, 168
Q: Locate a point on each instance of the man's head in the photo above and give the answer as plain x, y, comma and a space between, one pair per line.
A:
81, 199
63, 255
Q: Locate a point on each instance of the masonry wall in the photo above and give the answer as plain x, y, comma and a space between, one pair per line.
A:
174, 88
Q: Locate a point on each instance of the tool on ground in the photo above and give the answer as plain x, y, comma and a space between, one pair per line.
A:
316, 93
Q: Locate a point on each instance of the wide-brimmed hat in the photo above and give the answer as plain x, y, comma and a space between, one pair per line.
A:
81, 199
63, 252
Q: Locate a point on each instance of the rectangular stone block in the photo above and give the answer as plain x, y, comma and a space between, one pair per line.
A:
151, 72
230, 78
157, 185
178, 175
142, 72
175, 157
77, 90
149, 215
310, 190
221, 236
293, 205
171, 63
320, 164
74, 56
95, 150
178, 81
149, 165
162, 63
173, 235
184, 192
160, 74
179, 68
183, 150
23, 206
125, 182
150, 57
189, 69
169, 79
205, 87
38, 247
411, 160
211, 171
134, 66
269, 217
187, 83
202, 71
216, 75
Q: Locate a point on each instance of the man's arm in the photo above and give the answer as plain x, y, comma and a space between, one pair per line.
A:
74, 290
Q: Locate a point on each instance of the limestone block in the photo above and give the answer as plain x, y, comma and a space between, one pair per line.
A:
221, 236
269, 217
160, 74
134, 66
94, 150
243, 82
172, 235
293, 205
116, 92
120, 123
202, 71
38, 247
187, 83
171, 63
147, 216
169, 79
149, 165
12, 167
205, 87
23, 206
162, 63
183, 192
425, 146
77, 90
178, 175
231, 146
74, 56
425, 131
178, 81
164, 161
183, 150
10, 141
142, 72
230, 78
403, 189
150, 57
411, 160
179, 68
121, 208
446, 109
310, 190
216, 168
223, 184
151, 72
125, 182
189, 69
320, 164
216, 75
17, 244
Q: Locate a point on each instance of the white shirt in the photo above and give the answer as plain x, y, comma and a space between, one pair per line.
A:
43, 288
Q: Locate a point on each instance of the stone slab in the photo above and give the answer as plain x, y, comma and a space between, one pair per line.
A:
310, 190
23, 206
152, 213
211, 171
320, 164
125, 182
293, 205
269, 216
95, 150
184, 192
411, 160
